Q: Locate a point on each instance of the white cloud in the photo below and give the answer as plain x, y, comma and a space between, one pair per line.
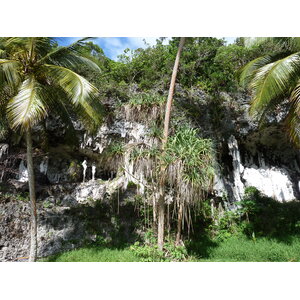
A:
115, 46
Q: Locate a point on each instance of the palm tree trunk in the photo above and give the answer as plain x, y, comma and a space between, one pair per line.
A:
161, 201
31, 182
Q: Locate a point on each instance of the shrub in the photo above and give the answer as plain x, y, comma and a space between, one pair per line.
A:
146, 99
267, 216
116, 148
149, 252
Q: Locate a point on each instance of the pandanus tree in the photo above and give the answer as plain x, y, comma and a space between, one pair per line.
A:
273, 79
41, 77
189, 161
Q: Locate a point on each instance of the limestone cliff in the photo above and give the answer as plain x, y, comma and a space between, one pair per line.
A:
245, 156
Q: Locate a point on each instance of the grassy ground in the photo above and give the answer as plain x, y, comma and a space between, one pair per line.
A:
241, 249
95, 254
235, 249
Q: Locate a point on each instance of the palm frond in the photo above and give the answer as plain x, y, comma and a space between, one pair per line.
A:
287, 43
13, 41
59, 107
255, 41
27, 108
31, 47
293, 126
75, 60
293, 119
27, 49
80, 91
9, 72
48, 65
274, 80
6, 61
90, 114
63, 49
247, 73
77, 87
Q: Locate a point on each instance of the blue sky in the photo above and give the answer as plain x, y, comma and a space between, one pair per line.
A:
114, 46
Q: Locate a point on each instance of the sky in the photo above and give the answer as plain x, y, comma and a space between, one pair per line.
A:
114, 46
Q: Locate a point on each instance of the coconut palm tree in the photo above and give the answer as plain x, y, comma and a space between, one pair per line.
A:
273, 79
32, 69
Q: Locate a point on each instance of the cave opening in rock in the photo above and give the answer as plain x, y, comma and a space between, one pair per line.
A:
107, 175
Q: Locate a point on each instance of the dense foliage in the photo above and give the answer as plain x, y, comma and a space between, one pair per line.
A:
206, 62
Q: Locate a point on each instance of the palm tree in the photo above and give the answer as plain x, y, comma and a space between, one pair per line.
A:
272, 79
33, 69
161, 201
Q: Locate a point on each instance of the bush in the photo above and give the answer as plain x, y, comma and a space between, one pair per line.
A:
267, 216
147, 99
149, 252
228, 225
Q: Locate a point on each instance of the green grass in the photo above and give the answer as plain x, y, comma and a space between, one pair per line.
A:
234, 249
94, 254
242, 249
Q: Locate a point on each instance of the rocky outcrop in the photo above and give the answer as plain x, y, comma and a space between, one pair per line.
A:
278, 181
57, 230
260, 157
63, 224
246, 156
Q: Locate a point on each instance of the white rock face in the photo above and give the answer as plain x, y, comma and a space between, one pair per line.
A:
132, 175
23, 173
98, 147
93, 172
133, 131
237, 167
84, 165
128, 168
273, 182
44, 166
3, 149
219, 186
89, 191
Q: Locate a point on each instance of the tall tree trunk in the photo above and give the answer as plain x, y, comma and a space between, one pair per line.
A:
31, 182
154, 216
161, 200
179, 223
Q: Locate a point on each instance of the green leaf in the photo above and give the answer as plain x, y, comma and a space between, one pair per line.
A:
293, 119
60, 50
9, 68
274, 81
77, 87
81, 93
247, 73
27, 108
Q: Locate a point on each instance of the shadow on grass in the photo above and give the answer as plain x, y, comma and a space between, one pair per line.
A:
201, 246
